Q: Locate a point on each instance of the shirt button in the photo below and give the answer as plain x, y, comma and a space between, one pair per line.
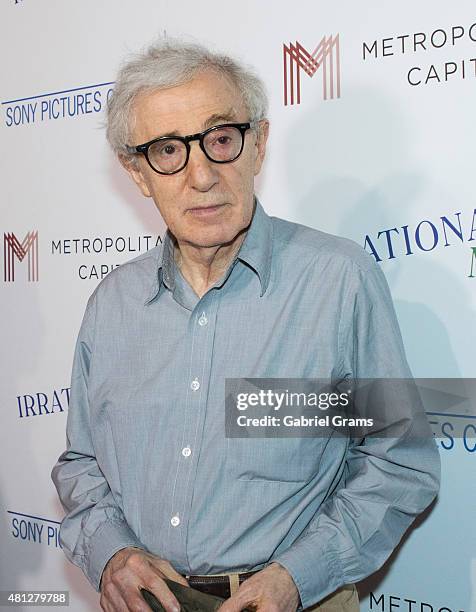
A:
202, 320
187, 451
175, 521
195, 385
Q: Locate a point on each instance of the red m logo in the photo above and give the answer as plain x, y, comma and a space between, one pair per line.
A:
13, 248
326, 56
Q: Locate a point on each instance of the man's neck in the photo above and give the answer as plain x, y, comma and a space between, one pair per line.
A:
203, 266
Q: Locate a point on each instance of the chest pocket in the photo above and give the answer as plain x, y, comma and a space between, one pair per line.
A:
274, 459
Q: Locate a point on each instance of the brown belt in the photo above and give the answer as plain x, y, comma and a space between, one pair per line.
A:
218, 585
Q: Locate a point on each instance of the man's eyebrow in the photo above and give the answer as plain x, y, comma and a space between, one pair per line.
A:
218, 118
215, 119
171, 134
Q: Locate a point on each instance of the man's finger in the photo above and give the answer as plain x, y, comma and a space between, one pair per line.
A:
111, 599
237, 603
136, 603
173, 575
129, 588
166, 569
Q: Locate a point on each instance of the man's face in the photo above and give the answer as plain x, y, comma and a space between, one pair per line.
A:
206, 204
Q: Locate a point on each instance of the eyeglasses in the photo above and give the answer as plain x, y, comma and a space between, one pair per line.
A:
221, 144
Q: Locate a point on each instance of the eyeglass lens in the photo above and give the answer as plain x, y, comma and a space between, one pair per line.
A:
221, 145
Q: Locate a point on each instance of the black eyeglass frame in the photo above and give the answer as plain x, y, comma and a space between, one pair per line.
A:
144, 148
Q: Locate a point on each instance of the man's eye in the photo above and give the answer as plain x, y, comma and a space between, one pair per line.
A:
221, 141
168, 149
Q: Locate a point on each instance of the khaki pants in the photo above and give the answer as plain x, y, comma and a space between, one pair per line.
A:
345, 599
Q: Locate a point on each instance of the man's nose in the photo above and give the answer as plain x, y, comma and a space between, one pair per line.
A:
202, 173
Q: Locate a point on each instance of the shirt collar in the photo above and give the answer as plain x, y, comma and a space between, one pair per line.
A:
256, 252
257, 248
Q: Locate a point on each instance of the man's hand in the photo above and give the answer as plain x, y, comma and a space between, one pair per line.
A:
132, 568
270, 590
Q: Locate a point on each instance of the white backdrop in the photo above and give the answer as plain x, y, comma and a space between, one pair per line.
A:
387, 161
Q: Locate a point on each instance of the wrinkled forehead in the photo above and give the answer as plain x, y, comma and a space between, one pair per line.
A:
208, 98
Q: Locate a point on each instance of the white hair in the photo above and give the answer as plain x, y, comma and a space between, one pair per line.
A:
169, 63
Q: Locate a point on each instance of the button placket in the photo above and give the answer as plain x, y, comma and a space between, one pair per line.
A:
203, 329
201, 336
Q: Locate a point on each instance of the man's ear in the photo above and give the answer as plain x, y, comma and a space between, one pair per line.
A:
261, 140
134, 169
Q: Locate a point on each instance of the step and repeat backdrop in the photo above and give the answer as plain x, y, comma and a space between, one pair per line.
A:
373, 137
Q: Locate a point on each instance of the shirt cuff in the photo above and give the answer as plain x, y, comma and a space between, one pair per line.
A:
315, 574
108, 540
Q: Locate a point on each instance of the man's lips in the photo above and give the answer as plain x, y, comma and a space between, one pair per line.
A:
206, 209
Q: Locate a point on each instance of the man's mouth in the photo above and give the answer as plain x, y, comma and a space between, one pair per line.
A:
205, 210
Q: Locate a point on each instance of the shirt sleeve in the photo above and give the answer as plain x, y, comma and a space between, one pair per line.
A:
94, 527
388, 481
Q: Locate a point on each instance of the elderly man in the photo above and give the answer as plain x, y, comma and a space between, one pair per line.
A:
151, 485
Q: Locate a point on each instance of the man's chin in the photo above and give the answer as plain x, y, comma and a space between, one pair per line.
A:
210, 243
210, 240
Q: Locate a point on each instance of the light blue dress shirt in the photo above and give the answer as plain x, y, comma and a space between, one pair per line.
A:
147, 461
